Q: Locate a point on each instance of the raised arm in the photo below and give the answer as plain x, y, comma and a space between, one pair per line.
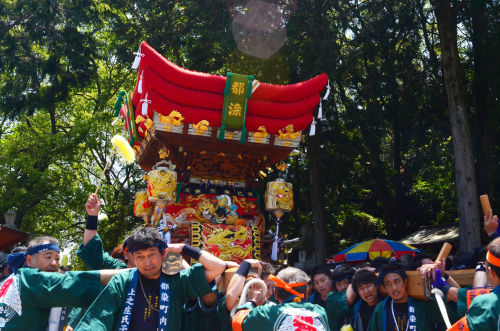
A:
92, 207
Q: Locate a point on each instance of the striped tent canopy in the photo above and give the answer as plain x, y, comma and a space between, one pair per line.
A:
373, 249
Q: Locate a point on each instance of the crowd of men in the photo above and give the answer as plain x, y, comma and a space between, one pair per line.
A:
130, 290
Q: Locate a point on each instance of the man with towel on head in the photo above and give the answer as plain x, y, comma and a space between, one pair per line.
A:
27, 295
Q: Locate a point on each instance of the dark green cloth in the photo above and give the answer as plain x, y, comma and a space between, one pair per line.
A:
198, 317
223, 315
484, 312
462, 302
291, 314
426, 311
338, 310
106, 311
95, 258
39, 291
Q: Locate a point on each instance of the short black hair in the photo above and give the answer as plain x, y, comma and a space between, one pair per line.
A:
343, 271
391, 267
267, 269
362, 277
321, 269
144, 238
418, 259
378, 262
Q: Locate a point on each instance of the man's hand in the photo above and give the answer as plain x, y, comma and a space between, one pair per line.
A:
256, 294
92, 206
490, 223
255, 264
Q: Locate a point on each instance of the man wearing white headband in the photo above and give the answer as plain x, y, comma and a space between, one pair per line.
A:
27, 295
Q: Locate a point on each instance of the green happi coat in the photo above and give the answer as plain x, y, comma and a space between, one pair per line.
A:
39, 291
106, 311
95, 258
484, 311
285, 316
426, 311
198, 317
337, 309
223, 315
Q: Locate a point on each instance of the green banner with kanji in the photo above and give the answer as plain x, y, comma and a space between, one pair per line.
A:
236, 93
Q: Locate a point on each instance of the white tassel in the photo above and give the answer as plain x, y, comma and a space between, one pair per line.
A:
327, 91
312, 131
139, 86
145, 103
274, 252
137, 60
320, 111
168, 237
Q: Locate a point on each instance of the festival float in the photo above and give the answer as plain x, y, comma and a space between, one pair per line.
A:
203, 140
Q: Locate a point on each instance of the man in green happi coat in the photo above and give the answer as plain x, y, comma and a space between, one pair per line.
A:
484, 310
399, 311
27, 296
145, 298
292, 312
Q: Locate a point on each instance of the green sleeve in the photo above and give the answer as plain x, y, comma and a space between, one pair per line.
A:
52, 289
376, 319
75, 315
223, 315
95, 258
337, 309
481, 315
194, 282
462, 302
106, 310
434, 313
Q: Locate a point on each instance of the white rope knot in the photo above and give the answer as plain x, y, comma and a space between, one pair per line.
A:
145, 103
137, 60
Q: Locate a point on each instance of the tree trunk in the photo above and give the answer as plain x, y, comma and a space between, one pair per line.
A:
482, 97
468, 211
317, 202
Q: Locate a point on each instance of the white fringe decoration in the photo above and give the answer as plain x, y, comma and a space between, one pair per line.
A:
327, 91
274, 252
145, 103
137, 60
139, 86
312, 131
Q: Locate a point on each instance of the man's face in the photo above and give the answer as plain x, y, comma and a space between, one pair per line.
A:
322, 284
45, 261
148, 261
269, 284
342, 285
368, 293
396, 287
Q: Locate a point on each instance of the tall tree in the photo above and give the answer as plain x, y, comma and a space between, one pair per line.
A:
465, 173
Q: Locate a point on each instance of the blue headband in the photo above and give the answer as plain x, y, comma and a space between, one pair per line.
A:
384, 273
43, 248
16, 260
